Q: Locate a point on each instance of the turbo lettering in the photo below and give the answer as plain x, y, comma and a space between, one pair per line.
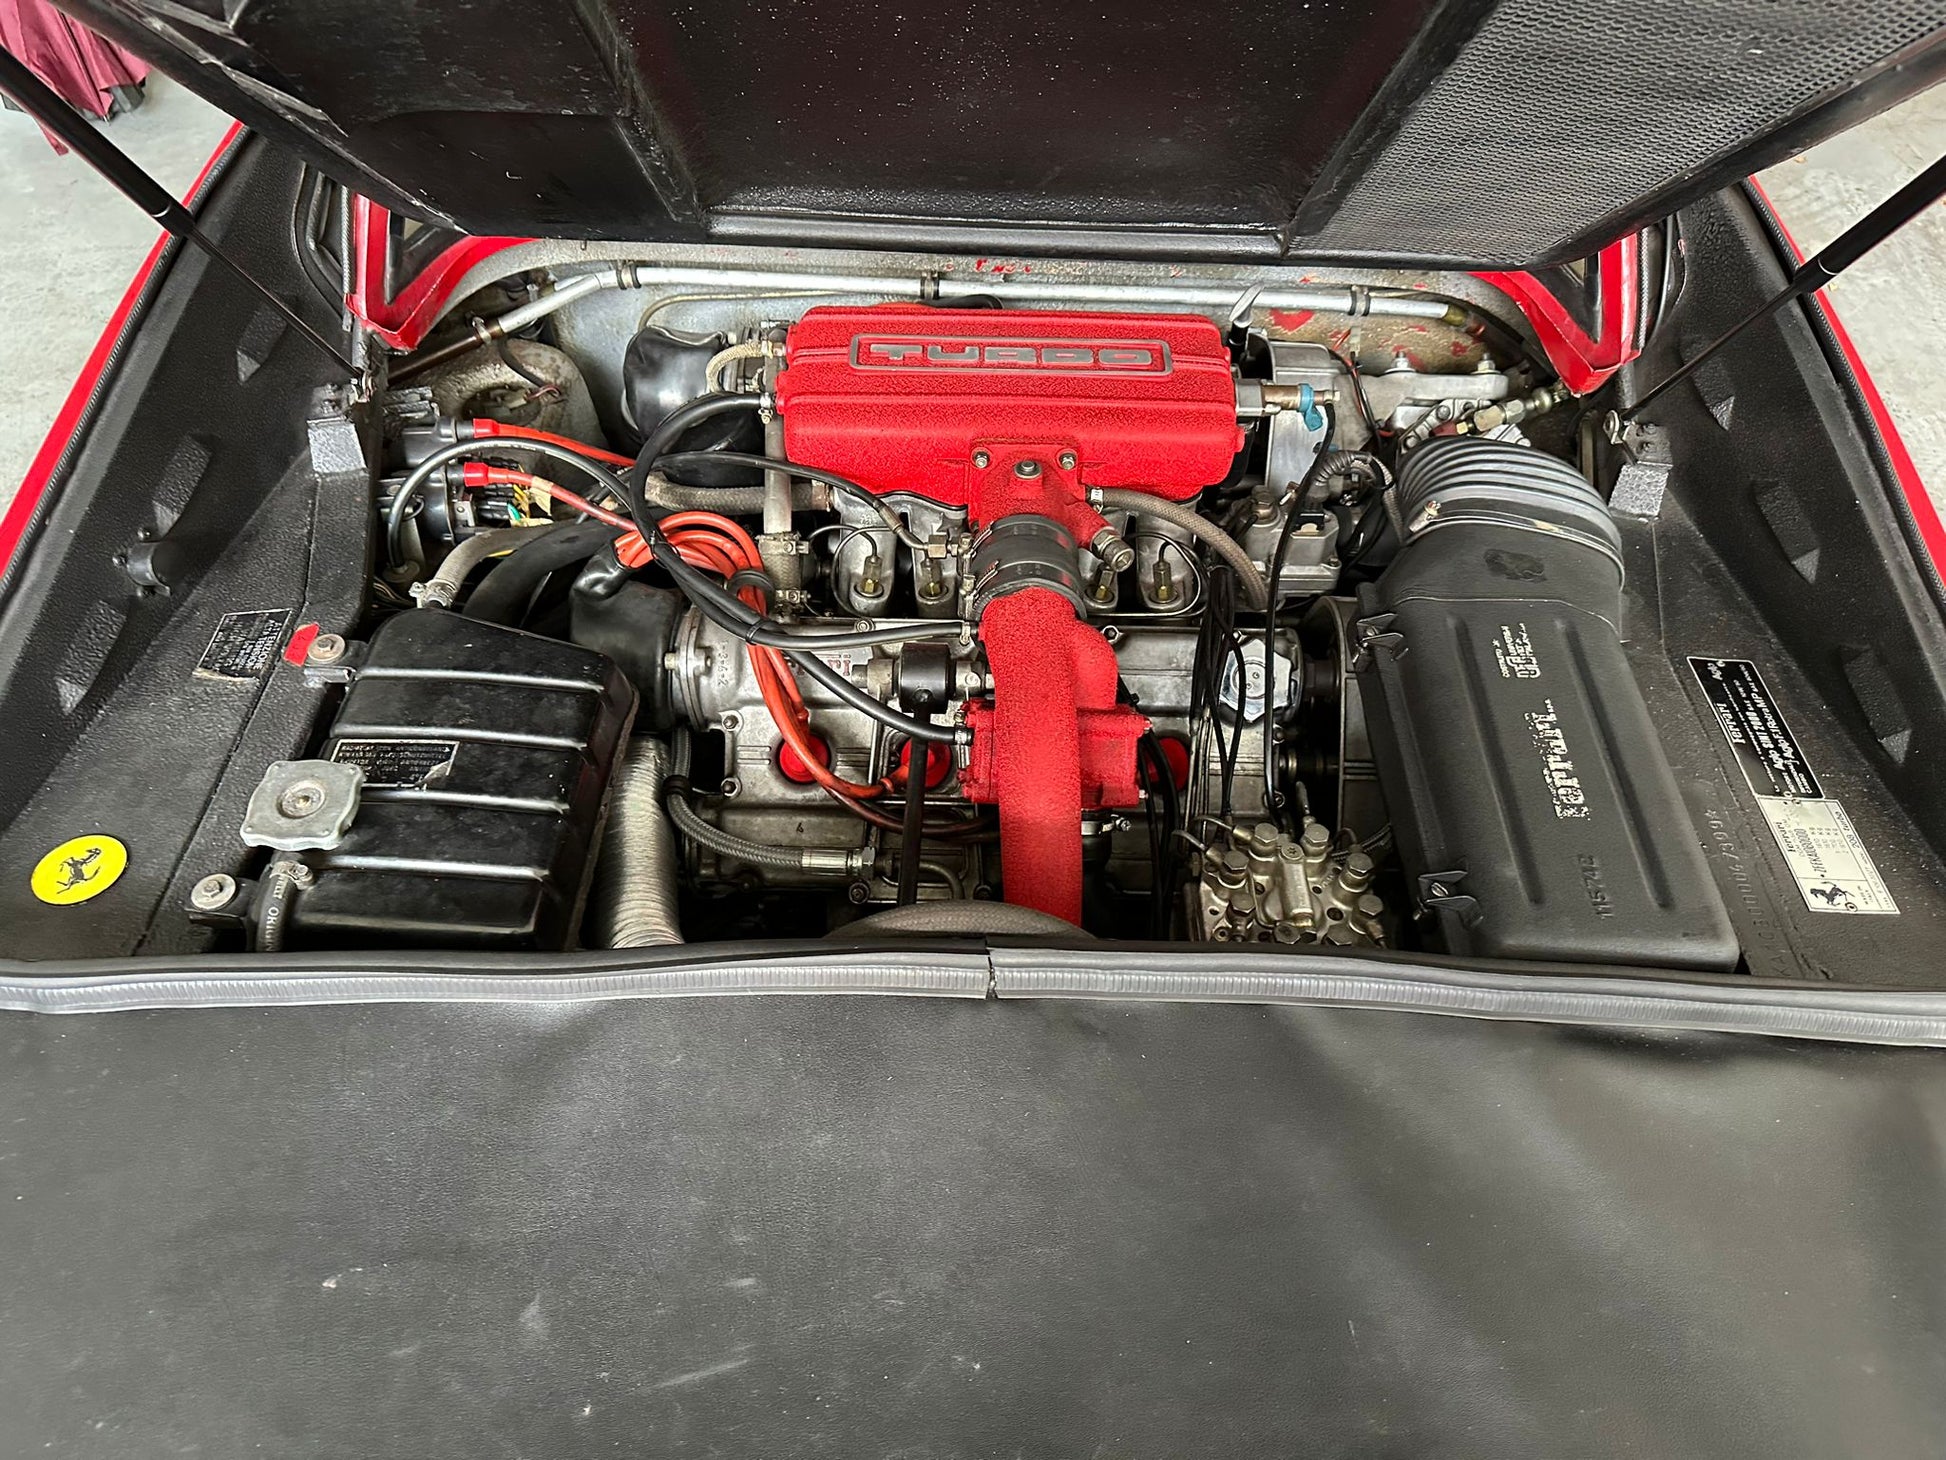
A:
1106, 357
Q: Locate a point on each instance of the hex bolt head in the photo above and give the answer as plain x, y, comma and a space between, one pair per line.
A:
326, 649
1316, 837
1109, 547
213, 892
982, 460
1068, 460
300, 799
1027, 468
1356, 875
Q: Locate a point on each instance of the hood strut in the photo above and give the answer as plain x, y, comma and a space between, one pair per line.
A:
40, 103
1815, 272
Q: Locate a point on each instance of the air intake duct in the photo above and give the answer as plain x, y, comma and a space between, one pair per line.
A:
1534, 809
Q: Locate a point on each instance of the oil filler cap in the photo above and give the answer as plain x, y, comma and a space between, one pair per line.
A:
302, 805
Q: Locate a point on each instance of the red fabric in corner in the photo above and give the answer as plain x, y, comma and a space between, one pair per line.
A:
79, 65
1051, 742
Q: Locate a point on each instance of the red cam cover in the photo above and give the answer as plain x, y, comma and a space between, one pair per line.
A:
899, 397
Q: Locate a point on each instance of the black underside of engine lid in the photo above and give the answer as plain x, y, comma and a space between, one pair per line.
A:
1474, 132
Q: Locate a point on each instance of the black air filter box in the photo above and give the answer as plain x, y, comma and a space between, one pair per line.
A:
487, 755
1533, 807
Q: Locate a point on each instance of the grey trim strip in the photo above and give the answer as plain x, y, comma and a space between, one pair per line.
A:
961, 976
1816, 1011
1201, 976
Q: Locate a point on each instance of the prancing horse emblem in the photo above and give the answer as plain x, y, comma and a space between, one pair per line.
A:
77, 870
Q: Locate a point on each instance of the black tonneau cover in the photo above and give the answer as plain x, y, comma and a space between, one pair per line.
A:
1469, 131
847, 1226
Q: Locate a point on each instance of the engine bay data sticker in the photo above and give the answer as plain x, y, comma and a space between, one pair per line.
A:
1830, 862
245, 644
398, 764
1833, 870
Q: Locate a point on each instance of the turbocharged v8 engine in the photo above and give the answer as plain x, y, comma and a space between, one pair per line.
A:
1139, 626
1007, 430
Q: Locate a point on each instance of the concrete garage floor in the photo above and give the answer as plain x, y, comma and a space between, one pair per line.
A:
69, 245
1892, 302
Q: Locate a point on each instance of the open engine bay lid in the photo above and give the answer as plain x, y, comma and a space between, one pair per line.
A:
1471, 132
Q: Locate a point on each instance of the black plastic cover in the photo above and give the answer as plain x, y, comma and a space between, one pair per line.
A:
1483, 131
487, 755
1534, 808
851, 1227
634, 624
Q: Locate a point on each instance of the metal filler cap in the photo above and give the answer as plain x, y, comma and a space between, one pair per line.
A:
302, 805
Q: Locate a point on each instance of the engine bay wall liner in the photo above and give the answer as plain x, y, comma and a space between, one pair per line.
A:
1796, 517
118, 719
836, 1227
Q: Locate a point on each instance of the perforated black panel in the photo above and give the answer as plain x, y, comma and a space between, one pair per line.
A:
1558, 114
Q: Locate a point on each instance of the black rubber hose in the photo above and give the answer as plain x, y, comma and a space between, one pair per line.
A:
803, 650
723, 608
673, 427
1164, 816
416, 479
505, 592
679, 460
912, 831
1312, 476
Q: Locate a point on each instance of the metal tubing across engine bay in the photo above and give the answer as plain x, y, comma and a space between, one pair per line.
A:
1350, 299
1354, 300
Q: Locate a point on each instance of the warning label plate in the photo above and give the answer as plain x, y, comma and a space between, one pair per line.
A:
398, 764
245, 644
1771, 758
1833, 869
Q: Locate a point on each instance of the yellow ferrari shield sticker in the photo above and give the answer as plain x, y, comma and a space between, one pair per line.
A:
79, 869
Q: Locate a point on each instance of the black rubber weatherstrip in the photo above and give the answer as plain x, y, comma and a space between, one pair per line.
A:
1825, 1012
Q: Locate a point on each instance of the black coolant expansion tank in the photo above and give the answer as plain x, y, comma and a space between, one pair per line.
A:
487, 755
